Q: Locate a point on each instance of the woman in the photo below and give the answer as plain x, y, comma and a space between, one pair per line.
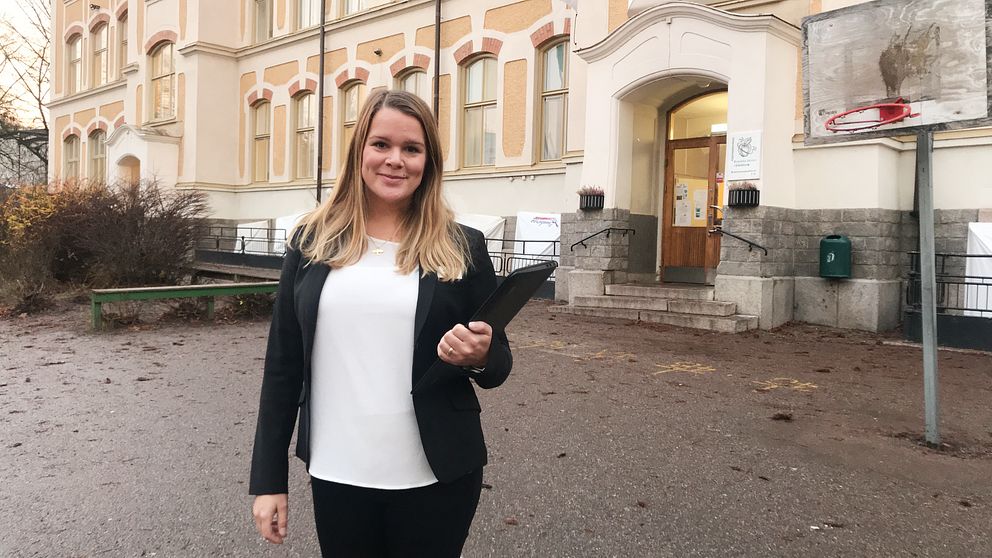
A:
376, 285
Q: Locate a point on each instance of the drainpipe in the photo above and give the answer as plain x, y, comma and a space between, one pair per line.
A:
320, 103
437, 55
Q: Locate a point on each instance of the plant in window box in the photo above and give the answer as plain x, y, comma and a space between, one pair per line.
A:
590, 197
743, 194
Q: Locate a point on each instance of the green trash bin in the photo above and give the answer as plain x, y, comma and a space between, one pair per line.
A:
835, 256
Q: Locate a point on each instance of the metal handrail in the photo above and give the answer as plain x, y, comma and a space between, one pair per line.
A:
750, 243
506, 261
607, 231
956, 291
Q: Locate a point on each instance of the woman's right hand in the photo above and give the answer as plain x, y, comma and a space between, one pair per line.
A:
271, 513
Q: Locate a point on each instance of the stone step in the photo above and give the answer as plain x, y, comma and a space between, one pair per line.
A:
728, 324
687, 292
701, 307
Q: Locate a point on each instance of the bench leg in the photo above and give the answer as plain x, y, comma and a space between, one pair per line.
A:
210, 307
97, 310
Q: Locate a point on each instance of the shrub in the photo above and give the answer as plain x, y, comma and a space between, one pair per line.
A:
124, 235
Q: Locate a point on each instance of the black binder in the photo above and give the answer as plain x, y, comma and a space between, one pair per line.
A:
497, 311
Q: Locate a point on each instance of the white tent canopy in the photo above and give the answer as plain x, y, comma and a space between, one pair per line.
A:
979, 270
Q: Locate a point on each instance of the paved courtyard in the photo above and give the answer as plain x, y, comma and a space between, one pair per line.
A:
609, 439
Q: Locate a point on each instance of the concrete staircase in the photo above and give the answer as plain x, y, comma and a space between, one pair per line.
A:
678, 305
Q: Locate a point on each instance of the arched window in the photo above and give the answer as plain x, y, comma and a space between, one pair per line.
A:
700, 117
355, 6
306, 117
101, 63
122, 42
97, 147
263, 20
307, 13
479, 121
353, 95
74, 65
163, 82
554, 100
260, 149
70, 157
416, 82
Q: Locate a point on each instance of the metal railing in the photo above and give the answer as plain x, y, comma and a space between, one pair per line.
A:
244, 240
957, 291
607, 232
718, 229
521, 253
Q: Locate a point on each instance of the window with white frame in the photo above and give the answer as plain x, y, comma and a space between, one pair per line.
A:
353, 97
163, 84
263, 20
554, 101
355, 6
307, 13
479, 118
261, 130
101, 63
70, 157
416, 82
306, 117
97, 148
74, 65
122, 41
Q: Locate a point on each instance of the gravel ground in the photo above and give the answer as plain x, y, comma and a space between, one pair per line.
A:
609, 439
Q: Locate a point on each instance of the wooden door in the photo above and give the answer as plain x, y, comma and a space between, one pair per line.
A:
693, 184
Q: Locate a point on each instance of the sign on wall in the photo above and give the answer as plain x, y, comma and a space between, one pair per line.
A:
743, 156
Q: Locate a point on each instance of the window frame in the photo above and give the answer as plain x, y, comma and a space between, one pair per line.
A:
100, 56
300, 131
96, 161
258, 136
314, 13
348, 125
484, 104
74, 66
158, 115
122, 44
74, 141
260, 34
361, 6
543, 94
415, 72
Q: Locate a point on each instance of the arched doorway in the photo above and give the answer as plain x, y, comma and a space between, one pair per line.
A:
695, 152
129, 169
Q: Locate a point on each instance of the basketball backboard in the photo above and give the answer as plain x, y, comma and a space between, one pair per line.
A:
932, 54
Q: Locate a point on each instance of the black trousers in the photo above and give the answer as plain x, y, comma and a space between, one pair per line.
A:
431, 521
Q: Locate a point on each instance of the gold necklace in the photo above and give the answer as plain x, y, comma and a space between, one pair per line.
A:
377, 250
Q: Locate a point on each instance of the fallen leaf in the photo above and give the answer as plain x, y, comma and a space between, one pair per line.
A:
787, 417
511, 521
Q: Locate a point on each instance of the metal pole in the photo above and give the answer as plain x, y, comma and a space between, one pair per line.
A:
437, 57
928, 282
320, 103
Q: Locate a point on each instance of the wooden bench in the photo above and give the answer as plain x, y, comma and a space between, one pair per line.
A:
99, 296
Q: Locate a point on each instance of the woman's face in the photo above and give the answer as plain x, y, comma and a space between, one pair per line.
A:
393, 159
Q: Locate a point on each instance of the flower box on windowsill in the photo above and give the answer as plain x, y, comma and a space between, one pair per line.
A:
589, 202
743, 198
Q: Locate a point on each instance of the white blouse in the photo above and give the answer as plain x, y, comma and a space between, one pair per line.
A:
364, 430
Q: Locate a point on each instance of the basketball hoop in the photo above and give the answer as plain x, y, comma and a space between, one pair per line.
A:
870, 117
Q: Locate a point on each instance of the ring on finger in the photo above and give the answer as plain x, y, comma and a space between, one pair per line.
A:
450, 350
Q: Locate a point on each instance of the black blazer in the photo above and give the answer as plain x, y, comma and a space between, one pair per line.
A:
447, 413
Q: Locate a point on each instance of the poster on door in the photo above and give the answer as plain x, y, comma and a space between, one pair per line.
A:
699, 207
683, 212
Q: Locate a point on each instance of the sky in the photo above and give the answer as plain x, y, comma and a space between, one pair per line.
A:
11, 11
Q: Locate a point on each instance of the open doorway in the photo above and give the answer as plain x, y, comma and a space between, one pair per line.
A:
695, 151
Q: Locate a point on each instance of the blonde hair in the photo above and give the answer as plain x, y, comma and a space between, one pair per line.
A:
335, 234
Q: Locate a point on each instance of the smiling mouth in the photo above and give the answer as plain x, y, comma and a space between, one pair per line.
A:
393, 177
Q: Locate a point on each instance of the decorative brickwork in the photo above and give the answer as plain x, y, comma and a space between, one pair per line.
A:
341, 78
463, 52
491, 45
96, 126
97, 20
396, 67
362, 74
72, 31
543, 33
160, 37
567, 30
421, 61
119, 122
303, 85
71, 131
121, 11
256, 95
